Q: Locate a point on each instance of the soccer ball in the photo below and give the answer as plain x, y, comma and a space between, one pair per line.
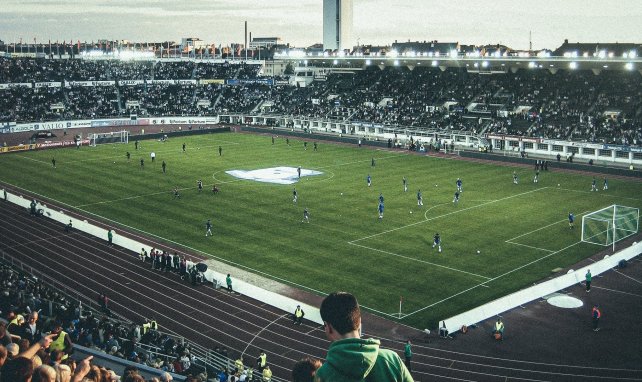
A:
435, 185
558, 185
478, 252
114, 162
410, 211
342, 194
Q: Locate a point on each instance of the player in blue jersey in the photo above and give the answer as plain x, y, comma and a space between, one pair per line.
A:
571, 220
369, 180
306, 216
594, 185
405, 184
295, 196
459, 185
456, 197
420, 199
606, 185
436, 242
380, 210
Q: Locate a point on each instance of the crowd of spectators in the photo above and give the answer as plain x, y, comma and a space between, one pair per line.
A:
577, 105
35, 317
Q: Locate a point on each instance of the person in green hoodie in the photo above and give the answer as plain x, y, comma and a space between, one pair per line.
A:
351, 358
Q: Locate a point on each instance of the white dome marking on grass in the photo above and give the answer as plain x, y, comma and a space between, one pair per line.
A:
564, 301
278, 175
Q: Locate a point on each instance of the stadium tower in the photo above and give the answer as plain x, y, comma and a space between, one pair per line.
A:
337, 24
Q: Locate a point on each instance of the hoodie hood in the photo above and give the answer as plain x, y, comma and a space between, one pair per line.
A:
354, 357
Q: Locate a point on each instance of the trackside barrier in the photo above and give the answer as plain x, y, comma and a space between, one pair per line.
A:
276, 300
524, 296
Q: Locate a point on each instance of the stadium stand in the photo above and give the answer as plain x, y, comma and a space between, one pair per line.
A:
570, 105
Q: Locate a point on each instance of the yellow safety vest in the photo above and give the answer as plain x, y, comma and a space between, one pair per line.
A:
298, 313
267, 374
16, 319
263, 358
499, 326
59, 344
146, 327
239, 365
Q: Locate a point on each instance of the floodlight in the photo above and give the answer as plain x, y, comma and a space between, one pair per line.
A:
573, 65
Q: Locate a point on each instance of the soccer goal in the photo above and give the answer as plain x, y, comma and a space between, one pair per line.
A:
113, 137
610, 225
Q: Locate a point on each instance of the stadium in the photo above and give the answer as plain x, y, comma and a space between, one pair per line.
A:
212, 194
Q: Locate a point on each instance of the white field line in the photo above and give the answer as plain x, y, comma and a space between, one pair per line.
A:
420, 261
33, 159
530, 246
169, 192
447, 214
617, 291
629, 277
493, 279
362, 161
600, 193
134, 229
510, 241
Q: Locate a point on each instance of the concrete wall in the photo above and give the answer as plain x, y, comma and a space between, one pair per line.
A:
524, 296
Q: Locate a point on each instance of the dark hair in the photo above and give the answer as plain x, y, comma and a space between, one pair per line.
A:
17, 370
304, 370
341, 310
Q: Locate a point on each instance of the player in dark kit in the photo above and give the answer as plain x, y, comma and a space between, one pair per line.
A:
199, 183
164, 166
53, 162
220, 151
128, 155
184, 147
456, 198
142, 163
436, 242
571, 220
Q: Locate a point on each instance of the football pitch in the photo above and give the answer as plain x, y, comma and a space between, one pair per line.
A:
500, 237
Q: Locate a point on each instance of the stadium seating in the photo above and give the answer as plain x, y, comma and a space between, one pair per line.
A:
568, 105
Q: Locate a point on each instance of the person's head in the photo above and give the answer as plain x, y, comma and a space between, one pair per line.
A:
341, 315
64, 372
44, 373
408, 342
17, 370
57, 327
304, 370
165, 377
12, 350
33, 317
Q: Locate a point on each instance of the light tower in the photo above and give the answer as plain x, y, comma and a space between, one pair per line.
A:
337, 24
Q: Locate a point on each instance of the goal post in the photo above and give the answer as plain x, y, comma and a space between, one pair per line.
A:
112, 137
609, 225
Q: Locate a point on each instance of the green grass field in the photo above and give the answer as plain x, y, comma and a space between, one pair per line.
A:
520, 230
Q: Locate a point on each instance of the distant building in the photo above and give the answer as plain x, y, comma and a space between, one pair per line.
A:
337, 24
426, 47
265, 42
189, 44
597, 49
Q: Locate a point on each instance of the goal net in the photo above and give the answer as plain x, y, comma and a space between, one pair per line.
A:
113, 137
610, 225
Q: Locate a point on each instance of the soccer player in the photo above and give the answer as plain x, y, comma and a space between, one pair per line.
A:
594, 185
420, 199
136, 144
306, 216
436, 242
153, 156
456, 198
380, 197
53, 162
273, 139
606, 185
164, 166
405, 184
305, 145
515, 178
571, 220
208, 228
287, 141
380, 210
176, 194
369, 180
298, 171
184, 147
459, 185
536, 178
199, 183
142, 163
295, 196
215, 189
128, 155
220, 151
315, 146
373, 162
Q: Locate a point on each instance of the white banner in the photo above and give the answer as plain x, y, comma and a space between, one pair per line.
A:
16, 85
69, 84
48, 84
130, 82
